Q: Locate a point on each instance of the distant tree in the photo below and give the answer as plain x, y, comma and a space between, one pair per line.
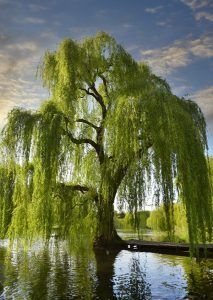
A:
131, 221
157, 220
142, 218
109, 125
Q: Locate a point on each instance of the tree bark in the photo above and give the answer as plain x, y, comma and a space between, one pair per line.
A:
106, 235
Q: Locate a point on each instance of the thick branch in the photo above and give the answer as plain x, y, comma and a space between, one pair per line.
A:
83, 189
82, 141
97, 146
97, 96
105, 84
75, 187
100, 130
88, 93
88, 123
148, 145
122, 169
79, 187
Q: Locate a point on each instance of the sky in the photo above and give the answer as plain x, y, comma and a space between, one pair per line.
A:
175, 37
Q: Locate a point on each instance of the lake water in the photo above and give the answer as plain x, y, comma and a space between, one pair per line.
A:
143, 234
60, 271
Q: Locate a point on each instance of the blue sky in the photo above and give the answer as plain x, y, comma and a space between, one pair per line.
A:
175, 37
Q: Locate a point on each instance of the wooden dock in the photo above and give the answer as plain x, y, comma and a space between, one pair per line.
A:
167, 248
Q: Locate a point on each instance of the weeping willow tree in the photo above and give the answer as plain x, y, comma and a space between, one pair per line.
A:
109, 128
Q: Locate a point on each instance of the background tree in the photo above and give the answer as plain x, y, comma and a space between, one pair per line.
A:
109, 124
157, 222
130, 221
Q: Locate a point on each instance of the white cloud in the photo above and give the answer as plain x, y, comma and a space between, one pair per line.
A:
153, 10
128, 26
80, 32
26, 46
16, 58
5, 1
18, 64
167, 59
196, 4
32, 20
204, 15
163, 23
202, 47
132, 47
19, 93
50, 35
101, 13
204, 99
3, 37
180, 90
36, 7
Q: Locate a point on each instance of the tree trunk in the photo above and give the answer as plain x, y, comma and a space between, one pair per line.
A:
106, 235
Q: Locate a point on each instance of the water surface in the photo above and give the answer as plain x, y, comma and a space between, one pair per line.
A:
61, 271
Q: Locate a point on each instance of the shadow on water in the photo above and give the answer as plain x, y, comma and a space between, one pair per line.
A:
56, 270
112, 286
105, 272
2, 256
51, 272
48, 272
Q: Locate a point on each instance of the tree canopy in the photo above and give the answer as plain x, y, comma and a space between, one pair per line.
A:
109, 127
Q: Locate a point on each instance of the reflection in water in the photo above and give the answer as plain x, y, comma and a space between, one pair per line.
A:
56, 271
133, 284
48, 272
200, 280
2, 255
105, 272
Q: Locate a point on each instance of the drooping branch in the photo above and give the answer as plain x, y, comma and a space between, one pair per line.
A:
97, 96
122, 170
100, 130
78, 141
88, 123
82, 141
79, 188
88, 92
148, 145
105, 84
100, 100
83, 189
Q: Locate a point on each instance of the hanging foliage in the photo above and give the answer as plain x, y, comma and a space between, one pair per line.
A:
110, 125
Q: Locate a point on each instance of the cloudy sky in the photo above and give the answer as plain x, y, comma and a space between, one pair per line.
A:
175, 37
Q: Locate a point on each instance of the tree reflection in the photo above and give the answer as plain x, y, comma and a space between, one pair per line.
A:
49, 272
105, 271
199, 278
2, 255
130, 285
198, 275
52, 271
133, 284
56, 271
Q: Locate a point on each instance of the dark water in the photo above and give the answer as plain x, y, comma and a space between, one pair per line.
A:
60, 271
